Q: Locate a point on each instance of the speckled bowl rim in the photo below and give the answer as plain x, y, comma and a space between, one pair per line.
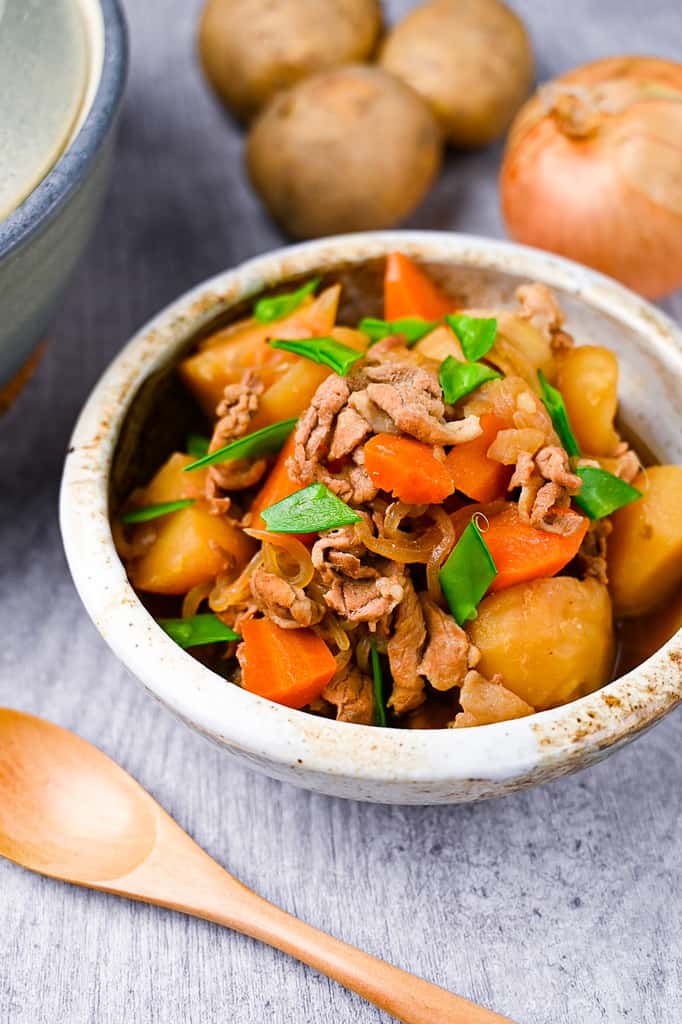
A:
55, 189
529, 749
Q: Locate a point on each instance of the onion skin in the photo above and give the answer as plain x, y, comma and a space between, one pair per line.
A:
593, 171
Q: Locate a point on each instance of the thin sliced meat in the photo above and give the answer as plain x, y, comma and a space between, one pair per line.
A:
235, 475
314, 429
525, 467
540, 307
235, 412
547, 484
350, 430
485, 701
628, 465
412, 397
339, 553
379, 421
365, 600
288, 606
392, 349
592, 554
352, 694
404, 651
553, 465
449, 654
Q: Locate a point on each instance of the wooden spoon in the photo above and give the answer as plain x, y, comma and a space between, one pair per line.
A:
69, 812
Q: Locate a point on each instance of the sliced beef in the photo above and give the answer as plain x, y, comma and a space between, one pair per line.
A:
540, 307
314, 429
235, 475
553, 465
288, 606
547, 483
412, 397
628, 465
488, 700
352, 694
365, 600
235, 412
448, 654
525, 467
404, 651
339, 553
379, 421
392, 349
592, 554
546, 499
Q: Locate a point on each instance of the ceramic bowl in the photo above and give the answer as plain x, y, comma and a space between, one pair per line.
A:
43, 238
119, 441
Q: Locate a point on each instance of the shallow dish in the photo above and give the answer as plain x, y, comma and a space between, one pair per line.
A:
383, 765
42, 240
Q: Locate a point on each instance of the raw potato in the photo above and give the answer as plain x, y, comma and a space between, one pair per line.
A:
645, 548
551, 640
470, 59
588, 381
347, 150
252, 48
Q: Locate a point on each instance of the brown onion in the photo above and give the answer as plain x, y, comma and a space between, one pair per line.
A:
193, 598
402, 547
228, 592
300, 572
440, 552
592, 171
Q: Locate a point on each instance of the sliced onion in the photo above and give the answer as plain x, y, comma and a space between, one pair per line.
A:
226, 593
440, 552
363, 652
301, 572
194, 597
396, 512
404, 551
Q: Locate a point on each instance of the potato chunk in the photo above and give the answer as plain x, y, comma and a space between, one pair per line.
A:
190, 546
292, 392
551, 640
645, 549
588, 381
171, 483
222, 358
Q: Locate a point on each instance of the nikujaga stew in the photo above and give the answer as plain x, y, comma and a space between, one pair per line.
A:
423, 520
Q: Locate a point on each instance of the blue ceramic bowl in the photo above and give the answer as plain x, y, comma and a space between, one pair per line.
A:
42, 240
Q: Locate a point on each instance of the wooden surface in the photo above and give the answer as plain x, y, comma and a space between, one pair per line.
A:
558, 906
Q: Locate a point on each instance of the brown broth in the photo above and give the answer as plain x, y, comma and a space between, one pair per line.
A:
637, 639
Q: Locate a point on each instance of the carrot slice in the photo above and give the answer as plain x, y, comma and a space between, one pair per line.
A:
474, 473
290, 666
407, 469
522, 553
409, 292
278, 484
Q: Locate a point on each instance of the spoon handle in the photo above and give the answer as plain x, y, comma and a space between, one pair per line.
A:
408, 998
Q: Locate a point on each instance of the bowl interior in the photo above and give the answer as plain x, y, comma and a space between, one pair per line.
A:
163, 412
139, 413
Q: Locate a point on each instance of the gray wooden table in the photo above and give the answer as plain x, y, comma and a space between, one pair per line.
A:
558, 906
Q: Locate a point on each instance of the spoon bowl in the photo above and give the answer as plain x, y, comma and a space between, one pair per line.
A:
96, 822
68, 811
